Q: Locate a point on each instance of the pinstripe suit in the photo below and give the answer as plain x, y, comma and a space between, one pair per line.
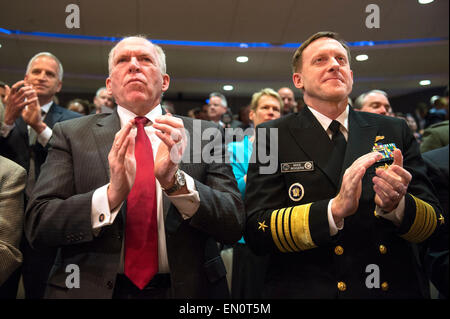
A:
12, 184
59, 215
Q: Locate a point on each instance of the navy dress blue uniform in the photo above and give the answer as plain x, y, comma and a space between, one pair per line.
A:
287, 214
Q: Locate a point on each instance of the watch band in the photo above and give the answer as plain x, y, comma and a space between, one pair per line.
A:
180, 181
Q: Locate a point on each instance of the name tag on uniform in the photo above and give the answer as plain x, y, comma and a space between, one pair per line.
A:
297, 167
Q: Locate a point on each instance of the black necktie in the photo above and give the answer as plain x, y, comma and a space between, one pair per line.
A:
338, 152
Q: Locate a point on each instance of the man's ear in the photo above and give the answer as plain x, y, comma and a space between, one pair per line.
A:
166, 82
59, 86
298, 80
108, 86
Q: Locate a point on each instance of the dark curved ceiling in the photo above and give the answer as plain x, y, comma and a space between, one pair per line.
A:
198, 70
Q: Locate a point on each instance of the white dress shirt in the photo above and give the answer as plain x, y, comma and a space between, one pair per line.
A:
396, 216
42, 138
187, 204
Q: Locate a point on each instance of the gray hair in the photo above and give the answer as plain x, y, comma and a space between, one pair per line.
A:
100, 90
47, 54
159, 53
359, 102
221, 96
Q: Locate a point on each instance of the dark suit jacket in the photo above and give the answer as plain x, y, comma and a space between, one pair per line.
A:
36, 264
437, 253
59, 214
305, 261
16, 146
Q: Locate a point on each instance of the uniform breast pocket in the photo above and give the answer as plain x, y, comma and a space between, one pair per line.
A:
306, 187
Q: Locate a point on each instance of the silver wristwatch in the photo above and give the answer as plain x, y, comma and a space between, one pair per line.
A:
180, 181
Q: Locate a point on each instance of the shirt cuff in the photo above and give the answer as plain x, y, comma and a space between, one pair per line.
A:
100, 212
45, 136
395, 216
333, 227
187, 204
5, 129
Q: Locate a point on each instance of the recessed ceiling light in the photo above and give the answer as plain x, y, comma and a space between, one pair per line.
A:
362, 57
228, 87
425, 82
425, 1
242, 59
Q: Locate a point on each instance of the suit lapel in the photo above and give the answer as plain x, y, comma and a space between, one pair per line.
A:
53, 116
311, 138
361, 137
104, 133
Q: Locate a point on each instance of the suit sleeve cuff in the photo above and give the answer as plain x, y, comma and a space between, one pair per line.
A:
45, 136
333, 227
5, 129
101, 215
187, 204
395, 216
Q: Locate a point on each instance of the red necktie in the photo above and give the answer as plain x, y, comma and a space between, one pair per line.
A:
141, 234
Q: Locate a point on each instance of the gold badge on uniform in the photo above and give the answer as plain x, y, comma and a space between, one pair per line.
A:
296, 192
262, 225
379, 138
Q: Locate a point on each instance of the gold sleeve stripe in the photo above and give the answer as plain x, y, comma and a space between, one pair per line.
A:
290, 228
424, 223
300, 227
280, 230
287, 230
273, 229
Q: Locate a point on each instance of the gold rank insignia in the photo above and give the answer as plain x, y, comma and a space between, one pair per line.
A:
441, 219
262, 226
379, 138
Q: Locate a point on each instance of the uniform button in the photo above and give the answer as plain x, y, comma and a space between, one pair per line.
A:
338, 250
341, 286
383, 249
110, 284
385, 286
101, 218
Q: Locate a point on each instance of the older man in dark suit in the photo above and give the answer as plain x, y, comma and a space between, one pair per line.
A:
121, 207
337, 220
30, 115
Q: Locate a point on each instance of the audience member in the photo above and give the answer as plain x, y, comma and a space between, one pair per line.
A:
314, 215
411, 121
374, 101
248, 269
244, 117
436, 254
218, 111
12, 184
79, 105
169, 107
288, 97
138, 223
438, 112
2, 91
194, 113
435, 136
30, 115
103, 101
